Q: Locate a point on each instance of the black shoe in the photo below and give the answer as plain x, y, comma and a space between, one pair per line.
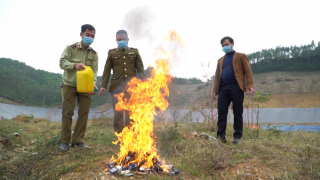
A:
236, 141
81, 145
64, 147
221, 139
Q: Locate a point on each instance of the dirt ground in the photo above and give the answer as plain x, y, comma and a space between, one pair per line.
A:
7, 101
288, 90
305, 100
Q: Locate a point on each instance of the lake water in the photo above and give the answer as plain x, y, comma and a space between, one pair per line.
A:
289, 128
267, 115
8, 111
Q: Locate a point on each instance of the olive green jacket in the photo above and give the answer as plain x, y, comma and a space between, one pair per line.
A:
76, 54
125, 65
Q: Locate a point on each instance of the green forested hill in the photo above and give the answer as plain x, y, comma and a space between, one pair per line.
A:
294, 58
28, 86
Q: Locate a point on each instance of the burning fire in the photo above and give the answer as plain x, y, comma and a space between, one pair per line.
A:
254, 127
137, 144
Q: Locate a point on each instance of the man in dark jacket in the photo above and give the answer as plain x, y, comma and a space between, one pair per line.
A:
233, 77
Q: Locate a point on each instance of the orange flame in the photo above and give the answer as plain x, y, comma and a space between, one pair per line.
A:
137, 139
254, 127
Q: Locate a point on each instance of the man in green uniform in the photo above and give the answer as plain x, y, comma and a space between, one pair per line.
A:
125, 63
74, 58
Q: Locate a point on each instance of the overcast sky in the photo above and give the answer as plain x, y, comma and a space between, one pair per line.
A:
37, 31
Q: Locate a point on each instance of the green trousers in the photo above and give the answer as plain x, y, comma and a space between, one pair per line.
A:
69, 95
121, 118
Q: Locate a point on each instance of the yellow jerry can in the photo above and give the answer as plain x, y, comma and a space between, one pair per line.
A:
85, 80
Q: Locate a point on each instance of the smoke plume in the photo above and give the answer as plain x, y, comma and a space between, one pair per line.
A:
137, 23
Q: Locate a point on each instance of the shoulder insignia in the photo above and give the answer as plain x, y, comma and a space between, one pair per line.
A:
133, 48
93, 51
73, 45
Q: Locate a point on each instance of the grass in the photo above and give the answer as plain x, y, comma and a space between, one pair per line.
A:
275, 155
35, 153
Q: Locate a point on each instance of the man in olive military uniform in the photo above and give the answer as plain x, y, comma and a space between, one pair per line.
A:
74, 58
125, 63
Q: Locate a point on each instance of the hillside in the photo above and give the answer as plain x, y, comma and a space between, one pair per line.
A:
288, 89
291, 74
22, 84
293, 59
7, 101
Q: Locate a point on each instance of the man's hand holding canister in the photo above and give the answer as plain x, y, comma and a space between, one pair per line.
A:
79, 66
95, 90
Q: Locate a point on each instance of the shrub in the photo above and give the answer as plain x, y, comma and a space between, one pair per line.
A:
200, 87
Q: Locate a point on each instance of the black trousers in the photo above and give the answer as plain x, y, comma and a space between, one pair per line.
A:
230, 93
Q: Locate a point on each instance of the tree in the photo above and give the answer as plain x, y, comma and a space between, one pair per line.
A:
260, 98
293, 58
312, 45
28, 86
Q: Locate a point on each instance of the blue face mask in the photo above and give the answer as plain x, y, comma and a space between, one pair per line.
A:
122, 44
87, 40
227, 49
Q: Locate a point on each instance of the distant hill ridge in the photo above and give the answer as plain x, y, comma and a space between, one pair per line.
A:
26, 85
293, 58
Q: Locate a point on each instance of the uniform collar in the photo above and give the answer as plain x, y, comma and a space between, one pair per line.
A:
79, 46
126, 49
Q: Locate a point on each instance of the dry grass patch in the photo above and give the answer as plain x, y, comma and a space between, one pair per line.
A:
275, 155
35, 153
